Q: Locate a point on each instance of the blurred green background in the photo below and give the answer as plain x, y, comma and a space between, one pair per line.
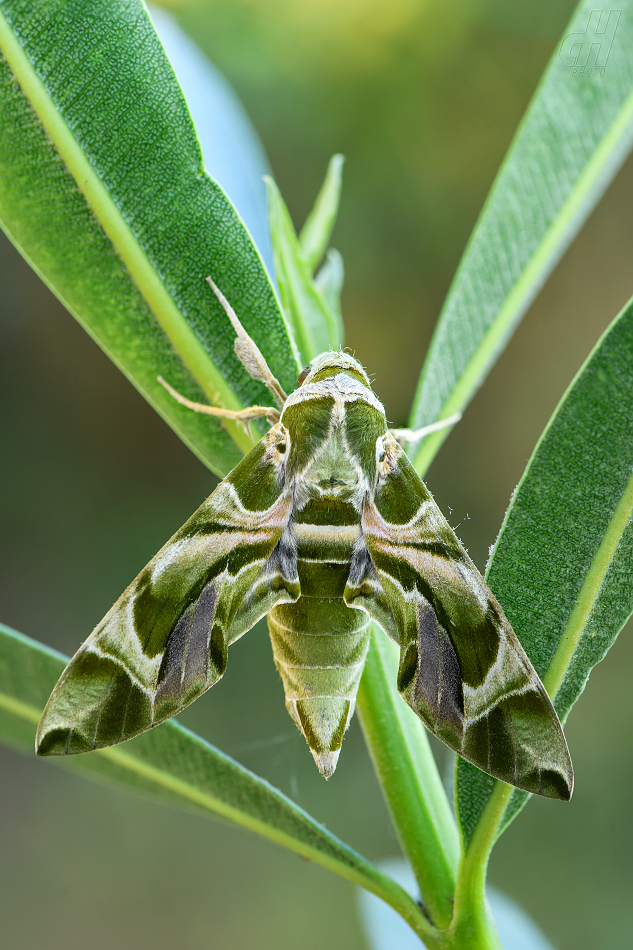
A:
423, 99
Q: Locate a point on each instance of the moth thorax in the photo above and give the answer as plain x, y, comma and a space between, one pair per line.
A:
332, 473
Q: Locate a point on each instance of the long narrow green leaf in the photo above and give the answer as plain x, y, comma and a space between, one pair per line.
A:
413, 790
329, 282
316, 232
233, 153
315, 328
103, 189
575, 134
172, 763
563, 562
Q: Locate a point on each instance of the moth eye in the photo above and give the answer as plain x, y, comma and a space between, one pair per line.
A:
304, 374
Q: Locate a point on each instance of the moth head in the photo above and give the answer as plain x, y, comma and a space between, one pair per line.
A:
330, 364
333, 421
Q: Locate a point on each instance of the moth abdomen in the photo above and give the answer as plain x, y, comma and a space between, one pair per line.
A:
320, 671
319, 644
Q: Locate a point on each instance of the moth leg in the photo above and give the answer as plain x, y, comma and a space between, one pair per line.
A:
248, 352
239, 415
412, 435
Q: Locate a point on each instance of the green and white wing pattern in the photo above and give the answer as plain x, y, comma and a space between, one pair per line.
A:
326, 513
165, 641
462, 669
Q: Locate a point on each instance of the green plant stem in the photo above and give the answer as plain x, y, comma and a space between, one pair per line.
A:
412, 787
472, 926
452, 886
471, 916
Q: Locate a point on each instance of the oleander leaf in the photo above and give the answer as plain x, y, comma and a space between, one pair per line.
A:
233, 154
103, 190
572, 140
563, 561
314, 325
173, 764
329, 281
317, 230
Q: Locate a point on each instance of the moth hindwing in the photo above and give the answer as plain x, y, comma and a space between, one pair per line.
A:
323, 526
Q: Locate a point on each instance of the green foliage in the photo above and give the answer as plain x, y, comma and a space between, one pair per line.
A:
315, 323
404, 763
105, 194
563, 560
329, 281
122, 163
177, 766
572, 140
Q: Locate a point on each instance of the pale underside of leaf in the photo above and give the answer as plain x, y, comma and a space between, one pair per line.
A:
315, 233
314, 325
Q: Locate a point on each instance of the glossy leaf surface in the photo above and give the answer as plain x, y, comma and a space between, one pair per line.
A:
563, 561
572, 140
102, 188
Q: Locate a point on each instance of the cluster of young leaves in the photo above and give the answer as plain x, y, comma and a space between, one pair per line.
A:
104, 190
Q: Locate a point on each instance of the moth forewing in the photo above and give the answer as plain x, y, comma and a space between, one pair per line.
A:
165, 640
322, 526
462, 669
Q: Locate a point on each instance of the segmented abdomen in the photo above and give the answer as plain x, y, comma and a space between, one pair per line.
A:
319, 644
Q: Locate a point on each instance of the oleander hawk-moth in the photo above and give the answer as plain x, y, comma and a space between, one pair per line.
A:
324, 526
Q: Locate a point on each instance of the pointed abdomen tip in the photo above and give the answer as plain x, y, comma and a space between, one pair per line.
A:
326, 762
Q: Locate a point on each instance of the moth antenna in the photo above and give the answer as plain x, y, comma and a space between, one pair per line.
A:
248, 352
243, 416
412, 435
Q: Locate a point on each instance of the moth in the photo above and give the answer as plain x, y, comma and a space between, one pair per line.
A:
324, 527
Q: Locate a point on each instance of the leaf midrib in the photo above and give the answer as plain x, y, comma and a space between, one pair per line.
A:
490, 819
142, 271
589, 592
486, 829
